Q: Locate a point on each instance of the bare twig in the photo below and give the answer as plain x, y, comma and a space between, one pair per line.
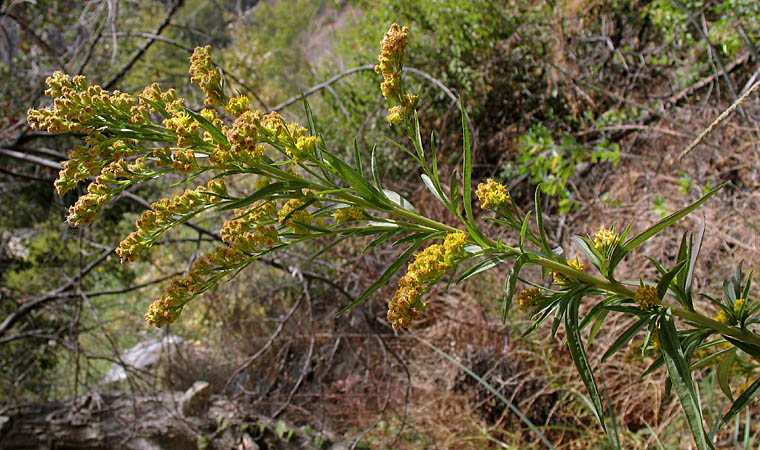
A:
143, 48
29, 306
720, 119
307, 362
265, 347
705, 81
30, 158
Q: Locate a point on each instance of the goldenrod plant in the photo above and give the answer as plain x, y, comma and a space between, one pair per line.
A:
305, 191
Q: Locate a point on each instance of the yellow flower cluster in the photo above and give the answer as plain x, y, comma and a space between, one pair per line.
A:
293, 214
169, 306
77, 106
646, 297
236, 106
208, 77
162, 217
492, 194
85, 162
559, 277
258, 217
348, 214
184, 126
111, 180
526, 299
391, 63
724, 318
428, 266
184, 161
75, 103
604, 239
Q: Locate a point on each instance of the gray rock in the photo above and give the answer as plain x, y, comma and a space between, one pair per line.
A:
195, 399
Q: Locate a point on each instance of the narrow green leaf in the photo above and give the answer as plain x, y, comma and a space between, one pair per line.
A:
379, 240
560, 314
278, 187
454, 193
666, 222
215, 132
589, 250
626, 337
396, 198
483, 266
724, 373
327, 247
309, 115
354, 179
414, 237
578, 354
662, 286
433, 189
434, 155
467, 167
540, 221
742, 401
751, 350
358, 158
392, 269
524, 230
157, 107
680, 376
418, 140
373, 166
509, 289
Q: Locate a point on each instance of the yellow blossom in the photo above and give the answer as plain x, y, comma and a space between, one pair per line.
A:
646, 297
492, 194
604, 239
428, 266
559, 277
346, 214
526, 299
208, 77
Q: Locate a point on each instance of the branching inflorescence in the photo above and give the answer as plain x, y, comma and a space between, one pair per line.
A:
303, 191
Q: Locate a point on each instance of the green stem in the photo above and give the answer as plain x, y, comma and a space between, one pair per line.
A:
742, 335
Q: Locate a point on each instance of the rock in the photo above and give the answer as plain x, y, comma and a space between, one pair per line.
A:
195, 399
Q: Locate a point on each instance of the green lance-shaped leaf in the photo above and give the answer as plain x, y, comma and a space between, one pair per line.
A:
634, 242
215, 132
454, 193
267, 191
750, 349
355, 180
432, 188
358, 158
509, 288
742, 401
396, 198
467, 166
309, 115
157, 107
383, 278
540, 221
375, 172
662, 286
482, 266
590, 251
626, 337
578, 353
524, 230
724, 373
680, 376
